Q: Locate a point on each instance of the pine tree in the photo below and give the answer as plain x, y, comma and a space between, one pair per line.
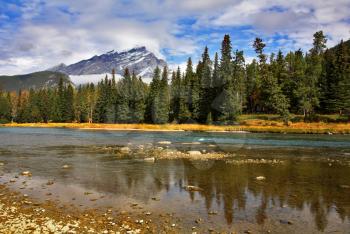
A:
162, 112
137, 102
102, 102
239, 82
189, 95
313, 73
152, 98
5, 108
68, 112
175, 96
206, 97
252, 91
273, 98
343, 68
228, 101
43, 105
123, 100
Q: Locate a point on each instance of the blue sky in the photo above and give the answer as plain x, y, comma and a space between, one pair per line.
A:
38, 34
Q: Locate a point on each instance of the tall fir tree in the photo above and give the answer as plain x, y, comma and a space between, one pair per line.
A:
206, 96
152, 97
175, 96
311, 85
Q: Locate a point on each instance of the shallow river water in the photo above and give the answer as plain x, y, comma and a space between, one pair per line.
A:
307, 191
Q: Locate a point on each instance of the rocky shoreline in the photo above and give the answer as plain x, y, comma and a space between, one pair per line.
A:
21, 214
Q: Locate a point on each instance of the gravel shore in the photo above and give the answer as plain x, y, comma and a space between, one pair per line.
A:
20, 214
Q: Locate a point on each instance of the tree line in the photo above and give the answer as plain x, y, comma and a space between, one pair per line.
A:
215, 91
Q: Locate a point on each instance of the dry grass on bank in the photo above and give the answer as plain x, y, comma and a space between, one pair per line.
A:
250, 125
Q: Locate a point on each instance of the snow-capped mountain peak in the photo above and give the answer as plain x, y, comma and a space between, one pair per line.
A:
138, 60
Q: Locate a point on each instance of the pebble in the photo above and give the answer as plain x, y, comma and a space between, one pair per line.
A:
26, 173
49, 182
152, 159
282, 221
192, 188
194, 152
164, 142
125, 150
260, 178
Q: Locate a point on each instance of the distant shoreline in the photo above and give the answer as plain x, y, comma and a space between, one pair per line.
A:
253, 126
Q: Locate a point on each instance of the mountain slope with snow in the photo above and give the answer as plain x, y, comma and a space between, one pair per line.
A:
138, 60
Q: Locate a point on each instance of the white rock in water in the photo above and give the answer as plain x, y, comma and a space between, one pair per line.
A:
164, 142
152, 159
2, 164
192, 188
26, 173
194, 152
124, 149
65, 166
260, 178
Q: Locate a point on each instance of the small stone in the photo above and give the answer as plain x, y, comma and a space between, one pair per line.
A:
50, 182
194, 152
199, 220
65, 166
260, 178
282, 221
125, 150
173, 225
26, 173
213, 212
192, 188
151, 159
164, 142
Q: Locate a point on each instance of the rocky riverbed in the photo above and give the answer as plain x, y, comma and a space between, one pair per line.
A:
21, 214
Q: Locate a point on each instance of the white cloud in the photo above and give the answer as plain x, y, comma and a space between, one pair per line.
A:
54, 31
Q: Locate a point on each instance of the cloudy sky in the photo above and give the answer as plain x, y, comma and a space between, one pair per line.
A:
38, 34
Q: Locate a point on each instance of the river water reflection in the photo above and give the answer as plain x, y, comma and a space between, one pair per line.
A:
308, 192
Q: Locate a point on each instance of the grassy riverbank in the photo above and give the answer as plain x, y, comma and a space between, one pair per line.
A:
244, 124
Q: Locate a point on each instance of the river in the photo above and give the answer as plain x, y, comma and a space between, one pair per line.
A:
306, 185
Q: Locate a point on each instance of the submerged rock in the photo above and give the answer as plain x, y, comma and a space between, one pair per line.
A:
192, 188
194, 152
260, 178
125, 150
65, 166
212, 212
164, 142
49, 182
151, 159
282, 221
191, 143
26, 173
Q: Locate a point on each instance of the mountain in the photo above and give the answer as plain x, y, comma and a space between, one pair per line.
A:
138, 60
33, 80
